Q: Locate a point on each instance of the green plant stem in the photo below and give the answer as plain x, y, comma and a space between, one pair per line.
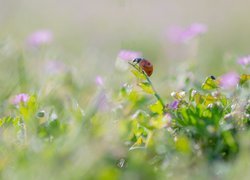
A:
151, 84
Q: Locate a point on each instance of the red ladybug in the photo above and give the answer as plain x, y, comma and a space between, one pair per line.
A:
146, 66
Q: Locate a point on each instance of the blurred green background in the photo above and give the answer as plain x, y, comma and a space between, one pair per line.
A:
88, 36
93, 32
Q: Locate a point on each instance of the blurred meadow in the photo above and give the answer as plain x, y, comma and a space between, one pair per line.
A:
70, 108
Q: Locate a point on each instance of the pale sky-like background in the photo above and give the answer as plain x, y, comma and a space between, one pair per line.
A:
94, 31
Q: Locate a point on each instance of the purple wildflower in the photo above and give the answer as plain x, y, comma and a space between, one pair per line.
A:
244, 61
20, 98
229, 80
178, 34
174, 104
129, 55
99, 81
39, 38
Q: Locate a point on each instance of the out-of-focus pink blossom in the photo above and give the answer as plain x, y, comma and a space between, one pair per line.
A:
129, 55
229, 80
197, 28
174, 104
54, 67
168, 119
99, 81
244, 61
20, 98
39, 38
177, 34
102, 102
174, 34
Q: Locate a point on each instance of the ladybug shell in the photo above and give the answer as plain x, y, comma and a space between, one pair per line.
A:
146, 66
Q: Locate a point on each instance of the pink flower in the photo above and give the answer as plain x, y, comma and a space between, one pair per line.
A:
99, 81
168, 120
197, 28
54, 67
244, 61
129, 55
175, 34
229, 80
20, 98
39, 38
178, 34
102, 102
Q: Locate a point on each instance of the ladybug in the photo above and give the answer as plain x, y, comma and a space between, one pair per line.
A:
145, 65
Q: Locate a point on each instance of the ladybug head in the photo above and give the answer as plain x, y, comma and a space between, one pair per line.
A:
213, 77
137, 60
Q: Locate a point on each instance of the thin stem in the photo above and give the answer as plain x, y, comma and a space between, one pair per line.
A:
151, 84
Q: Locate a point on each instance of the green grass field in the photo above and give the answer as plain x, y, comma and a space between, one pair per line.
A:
74, 105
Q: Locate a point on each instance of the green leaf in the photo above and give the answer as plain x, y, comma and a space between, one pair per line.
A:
229, 139
223, 100
146, 87
198, 98
138, 74
156, 108
133, 96
125, 90
141, 117
159, 122
182, 145
210, 84
192, 93
1, 122
29, 109
15, 122
140, 143
209, 99
244, 78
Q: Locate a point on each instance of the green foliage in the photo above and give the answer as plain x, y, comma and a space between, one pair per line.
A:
244, 78
69, 129
199, 125
146, 87
28, 110
156, 108
210, 84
